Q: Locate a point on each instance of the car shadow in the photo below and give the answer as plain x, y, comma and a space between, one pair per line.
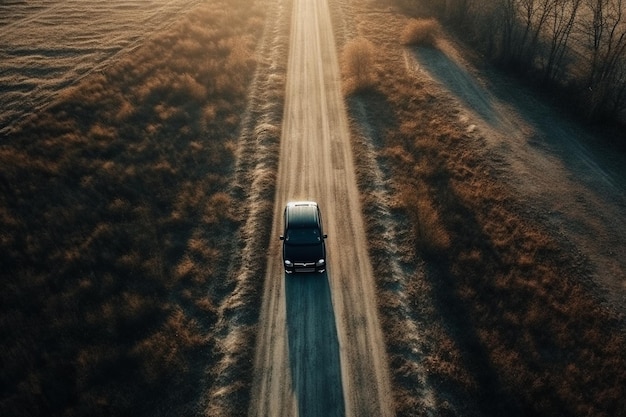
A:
313, 346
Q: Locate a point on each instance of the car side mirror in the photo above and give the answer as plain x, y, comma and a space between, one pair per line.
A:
282, 237
325, 236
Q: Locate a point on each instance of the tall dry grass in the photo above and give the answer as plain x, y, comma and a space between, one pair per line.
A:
509, 322
358, 65
421, 32
115, 224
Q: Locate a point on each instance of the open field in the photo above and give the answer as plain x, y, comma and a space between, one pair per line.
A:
117, 224
47, 46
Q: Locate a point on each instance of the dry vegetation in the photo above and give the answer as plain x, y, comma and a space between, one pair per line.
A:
575, 49
357, 62
508, 323
421, 32
116, 223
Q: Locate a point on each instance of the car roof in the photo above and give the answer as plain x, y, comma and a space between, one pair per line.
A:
302, 214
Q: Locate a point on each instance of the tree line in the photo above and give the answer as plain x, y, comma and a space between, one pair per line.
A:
577, 46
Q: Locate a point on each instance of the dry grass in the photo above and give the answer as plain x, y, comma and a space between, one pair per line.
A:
429, 232
115, 224
421, 32
509, 323
358, 65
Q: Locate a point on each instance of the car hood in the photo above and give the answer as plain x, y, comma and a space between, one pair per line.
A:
304, 253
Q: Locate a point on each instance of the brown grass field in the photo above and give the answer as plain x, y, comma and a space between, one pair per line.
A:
508, 322
116, 226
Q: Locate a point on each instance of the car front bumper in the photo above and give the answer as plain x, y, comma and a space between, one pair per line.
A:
304, 268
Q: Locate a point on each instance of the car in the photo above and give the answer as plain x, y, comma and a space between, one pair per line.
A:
304, 250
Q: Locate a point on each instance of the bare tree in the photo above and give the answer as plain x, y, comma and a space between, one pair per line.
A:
505, 14
456, 10
535, 14
618, 104
561, 22
606, 42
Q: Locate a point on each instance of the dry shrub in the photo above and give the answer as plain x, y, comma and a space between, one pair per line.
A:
206, 305
217, 209
185, 268
164, 352
100, 132
358, 65
188, 199
430, 233
421, 32
189, 87
203, 249
208, 113
241, 55
446, 360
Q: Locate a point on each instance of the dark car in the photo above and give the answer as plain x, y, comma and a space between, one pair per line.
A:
303, 239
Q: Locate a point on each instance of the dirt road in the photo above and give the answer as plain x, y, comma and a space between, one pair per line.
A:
320, 349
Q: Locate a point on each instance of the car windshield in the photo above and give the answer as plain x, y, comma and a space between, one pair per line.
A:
303, 236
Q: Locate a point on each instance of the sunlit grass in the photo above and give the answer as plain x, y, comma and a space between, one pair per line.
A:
358, 65
421, 32
115, 224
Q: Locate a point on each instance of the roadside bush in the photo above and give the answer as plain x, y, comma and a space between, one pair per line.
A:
421, 32
358, 65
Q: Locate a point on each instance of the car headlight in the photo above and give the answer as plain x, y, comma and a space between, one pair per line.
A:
288, 264
321, 262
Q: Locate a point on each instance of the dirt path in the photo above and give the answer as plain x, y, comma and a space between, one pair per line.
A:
563, 174
320, 348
